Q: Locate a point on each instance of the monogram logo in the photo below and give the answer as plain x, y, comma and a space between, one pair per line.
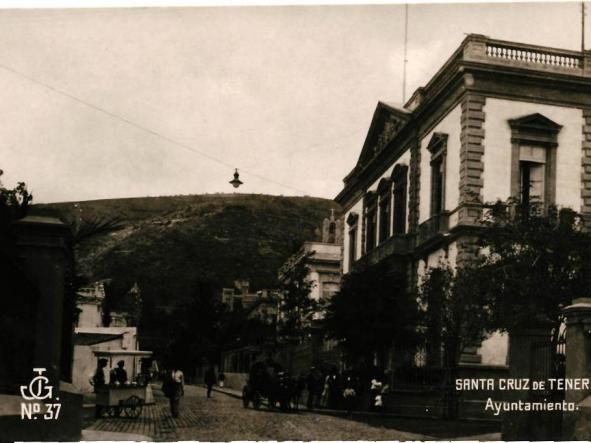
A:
38, 388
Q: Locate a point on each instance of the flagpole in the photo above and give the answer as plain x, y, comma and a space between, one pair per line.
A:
582, 26
405, 59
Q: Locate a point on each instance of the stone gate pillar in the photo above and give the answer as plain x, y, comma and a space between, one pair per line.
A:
42, 249
577, 425
526, 346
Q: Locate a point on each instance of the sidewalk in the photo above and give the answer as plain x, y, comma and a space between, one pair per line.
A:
92, 427
439, 429
94, 435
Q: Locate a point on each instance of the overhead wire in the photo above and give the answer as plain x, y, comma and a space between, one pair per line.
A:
144, 128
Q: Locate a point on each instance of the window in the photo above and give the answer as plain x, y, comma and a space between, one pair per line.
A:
384, 193
437, 186
399, 175
532, 182
332, 229
371, 229
438, 148
370, 219
352, 221
533, 159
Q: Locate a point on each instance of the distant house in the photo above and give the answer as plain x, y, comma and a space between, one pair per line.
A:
264, 307
92, 335
239, 296
322, 258
261, 304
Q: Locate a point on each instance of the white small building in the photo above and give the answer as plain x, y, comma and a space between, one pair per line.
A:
322, 258
91, 335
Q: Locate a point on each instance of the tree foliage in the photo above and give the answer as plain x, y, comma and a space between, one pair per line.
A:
372, 312
537, 262
296, 306
532, 263
195, 327
14, 204
455, 313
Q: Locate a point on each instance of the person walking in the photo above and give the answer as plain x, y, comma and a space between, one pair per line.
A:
221, 379
98, 382
173, 387
209, 380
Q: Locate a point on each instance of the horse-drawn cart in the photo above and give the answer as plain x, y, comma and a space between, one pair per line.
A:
268, 381
130, 398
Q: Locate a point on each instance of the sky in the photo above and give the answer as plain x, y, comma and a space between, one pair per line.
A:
131, 102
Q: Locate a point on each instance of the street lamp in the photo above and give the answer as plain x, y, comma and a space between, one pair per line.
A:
236, 181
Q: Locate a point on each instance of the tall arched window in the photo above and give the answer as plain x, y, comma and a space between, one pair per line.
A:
399, 191
370, 218
384, 188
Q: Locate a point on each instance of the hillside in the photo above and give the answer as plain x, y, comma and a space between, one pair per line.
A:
170, 245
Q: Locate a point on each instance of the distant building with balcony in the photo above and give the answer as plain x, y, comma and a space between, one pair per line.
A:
260, 304
323, 262
498, 120
322, 258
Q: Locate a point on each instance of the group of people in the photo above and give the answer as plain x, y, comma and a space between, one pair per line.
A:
117, 376
348, 390
329, 389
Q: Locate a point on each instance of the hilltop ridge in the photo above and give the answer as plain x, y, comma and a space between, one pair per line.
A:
170, 244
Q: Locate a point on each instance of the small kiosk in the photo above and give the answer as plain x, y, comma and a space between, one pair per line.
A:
128, 398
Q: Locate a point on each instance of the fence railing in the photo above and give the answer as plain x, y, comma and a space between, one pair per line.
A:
516, 53
418, 378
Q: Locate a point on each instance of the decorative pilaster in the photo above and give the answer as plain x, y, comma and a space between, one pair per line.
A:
414, 188
471, 157
586, 169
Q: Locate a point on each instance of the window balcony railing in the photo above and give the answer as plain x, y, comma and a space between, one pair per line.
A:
436, 225
395, 245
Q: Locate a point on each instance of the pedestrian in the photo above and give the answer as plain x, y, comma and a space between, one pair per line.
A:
209, 380
173, 387
315, 383
98, 382
334, 389
300, 385
349, 395
145, 372
221, 379
118, 375
325, 392
375, 394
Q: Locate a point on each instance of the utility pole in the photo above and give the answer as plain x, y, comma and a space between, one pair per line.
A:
582, 25
405, 59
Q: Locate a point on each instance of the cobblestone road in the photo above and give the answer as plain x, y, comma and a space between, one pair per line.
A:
223, 418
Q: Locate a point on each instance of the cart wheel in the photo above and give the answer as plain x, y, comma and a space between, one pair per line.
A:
133, 406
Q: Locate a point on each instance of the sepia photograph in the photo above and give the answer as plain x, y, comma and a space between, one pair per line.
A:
231, 221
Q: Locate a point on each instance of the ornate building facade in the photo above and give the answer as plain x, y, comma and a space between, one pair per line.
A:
498, 120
